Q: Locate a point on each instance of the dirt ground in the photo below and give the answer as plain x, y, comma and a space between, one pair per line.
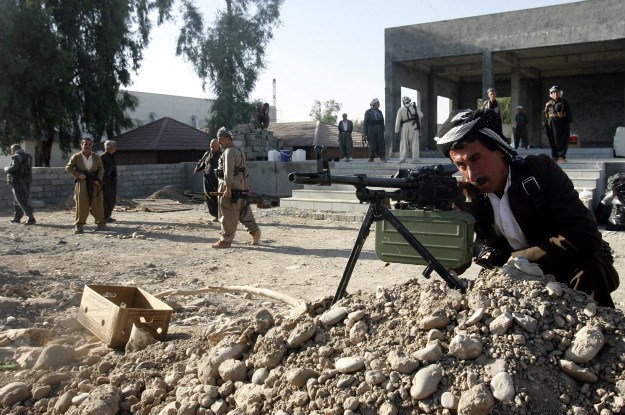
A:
298, 256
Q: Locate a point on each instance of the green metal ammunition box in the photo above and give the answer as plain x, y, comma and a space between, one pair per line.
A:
448, 236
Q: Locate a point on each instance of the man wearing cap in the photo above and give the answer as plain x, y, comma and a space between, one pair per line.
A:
520, 133
346, 144
526, 206
373, 126
492, 103
233, 176
109, 179
408, 125
557, 118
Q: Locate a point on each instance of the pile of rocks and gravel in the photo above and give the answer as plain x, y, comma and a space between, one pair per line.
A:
515, 342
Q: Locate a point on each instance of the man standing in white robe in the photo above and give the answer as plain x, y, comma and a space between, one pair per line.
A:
408, 125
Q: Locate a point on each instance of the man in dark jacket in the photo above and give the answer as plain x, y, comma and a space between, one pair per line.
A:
558, 116
373, 126
19, 177
208, 163
527, 207
346, 144
110, 179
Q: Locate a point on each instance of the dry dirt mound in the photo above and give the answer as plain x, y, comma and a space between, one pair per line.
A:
512, 344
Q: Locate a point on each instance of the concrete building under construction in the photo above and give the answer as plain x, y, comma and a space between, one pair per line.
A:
578, 46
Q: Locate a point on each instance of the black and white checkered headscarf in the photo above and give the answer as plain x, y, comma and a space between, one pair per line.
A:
466, 123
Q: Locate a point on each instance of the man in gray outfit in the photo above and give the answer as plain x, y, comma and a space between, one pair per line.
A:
19, 177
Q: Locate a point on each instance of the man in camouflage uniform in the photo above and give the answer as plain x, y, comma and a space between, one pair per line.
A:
233, 176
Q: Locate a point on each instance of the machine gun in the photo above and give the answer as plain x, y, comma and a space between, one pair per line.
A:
426, 188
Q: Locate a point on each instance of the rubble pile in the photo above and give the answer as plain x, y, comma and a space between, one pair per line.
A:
515, 342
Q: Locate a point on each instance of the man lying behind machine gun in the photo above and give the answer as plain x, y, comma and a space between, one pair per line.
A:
423, 199
526, 207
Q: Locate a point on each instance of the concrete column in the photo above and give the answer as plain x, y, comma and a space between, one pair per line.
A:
488, 74
428, 131
515, 95
391, 91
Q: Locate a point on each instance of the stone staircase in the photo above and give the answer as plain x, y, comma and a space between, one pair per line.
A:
586, 167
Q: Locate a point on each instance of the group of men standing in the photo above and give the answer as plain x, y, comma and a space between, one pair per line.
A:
557, 115
408, 125
95, 189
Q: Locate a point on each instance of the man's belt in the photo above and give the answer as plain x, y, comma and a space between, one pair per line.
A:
377, 122
409, 119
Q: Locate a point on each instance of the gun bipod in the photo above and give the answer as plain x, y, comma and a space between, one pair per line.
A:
376, 212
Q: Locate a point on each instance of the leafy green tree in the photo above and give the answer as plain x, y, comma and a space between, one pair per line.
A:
327, 114
35, 77
230, 54
63, 63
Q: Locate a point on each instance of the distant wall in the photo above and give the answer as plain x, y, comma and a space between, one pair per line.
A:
53, 185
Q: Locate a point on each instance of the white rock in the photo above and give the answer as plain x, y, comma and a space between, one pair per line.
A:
402, 363
358, 332
349, 364
301, 334
430, 353
449, 401
356, 315
374, 377
528, 323
387, 408
425, 381
436, 321
233, 370
12, 393
502, 387
464, 347
577, 372
54, 356
586, 344
476, 401
475, 317
501, 324
554, 289
333, 316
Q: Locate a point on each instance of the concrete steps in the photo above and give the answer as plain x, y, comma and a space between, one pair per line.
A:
586, 172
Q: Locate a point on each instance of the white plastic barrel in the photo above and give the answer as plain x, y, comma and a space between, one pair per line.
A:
299, 155
273, 155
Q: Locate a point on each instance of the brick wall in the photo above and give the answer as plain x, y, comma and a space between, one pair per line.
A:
53, 185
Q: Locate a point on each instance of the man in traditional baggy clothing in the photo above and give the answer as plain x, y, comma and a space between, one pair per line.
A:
408, 125
520, 133
558, 116
373, 126
87, 170
346, 144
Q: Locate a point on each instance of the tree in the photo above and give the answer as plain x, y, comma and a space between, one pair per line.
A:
62, 64
35, 77
329, 113
230, 54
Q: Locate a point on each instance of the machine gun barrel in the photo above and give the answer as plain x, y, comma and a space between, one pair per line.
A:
358, 180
